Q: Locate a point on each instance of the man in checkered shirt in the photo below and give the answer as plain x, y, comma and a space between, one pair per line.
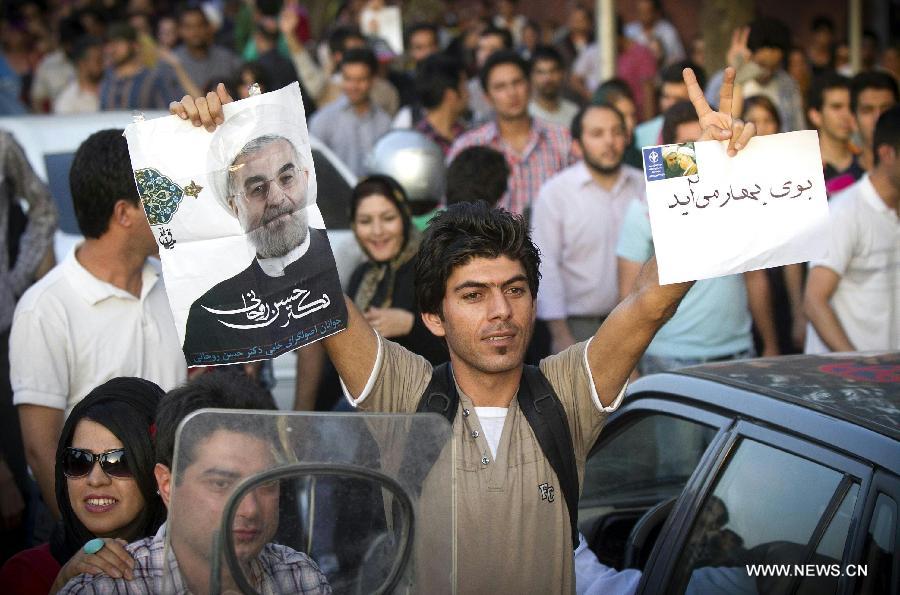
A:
535, 150
215, 455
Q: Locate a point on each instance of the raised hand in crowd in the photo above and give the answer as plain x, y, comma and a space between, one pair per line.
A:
722, 124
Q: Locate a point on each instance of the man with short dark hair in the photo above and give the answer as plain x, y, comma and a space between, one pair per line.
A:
351, 124
128, 84
82, 95
422, 40
852, 297
671, 91
100, 313
477, 173
215, 453
441, 88
203, 60
871, 94
534, 150
575, 224
547, 77
490, 40
828, 109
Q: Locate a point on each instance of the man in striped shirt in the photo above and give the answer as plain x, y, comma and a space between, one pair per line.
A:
128, 84
534, 150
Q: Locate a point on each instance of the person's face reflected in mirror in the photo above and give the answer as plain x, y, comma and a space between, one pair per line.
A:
201, 491
270, 187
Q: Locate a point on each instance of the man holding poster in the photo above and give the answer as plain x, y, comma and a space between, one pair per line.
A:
476, 283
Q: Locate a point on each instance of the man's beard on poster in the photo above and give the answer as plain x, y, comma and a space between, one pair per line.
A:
276, 240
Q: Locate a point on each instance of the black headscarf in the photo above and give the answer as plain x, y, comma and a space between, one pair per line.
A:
127, 408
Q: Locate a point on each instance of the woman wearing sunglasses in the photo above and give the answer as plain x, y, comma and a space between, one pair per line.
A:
105, 489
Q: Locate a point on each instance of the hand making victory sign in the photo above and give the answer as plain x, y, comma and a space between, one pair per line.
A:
719, 125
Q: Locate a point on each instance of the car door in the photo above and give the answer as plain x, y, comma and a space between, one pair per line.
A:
774, 515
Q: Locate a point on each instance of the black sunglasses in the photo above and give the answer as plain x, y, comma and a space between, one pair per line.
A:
78, 462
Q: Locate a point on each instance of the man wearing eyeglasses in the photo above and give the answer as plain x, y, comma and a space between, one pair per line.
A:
291, 287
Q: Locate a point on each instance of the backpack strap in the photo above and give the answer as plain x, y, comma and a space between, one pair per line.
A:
548, 421
440, 395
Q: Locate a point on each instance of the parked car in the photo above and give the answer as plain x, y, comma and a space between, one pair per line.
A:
50, 142
790, 461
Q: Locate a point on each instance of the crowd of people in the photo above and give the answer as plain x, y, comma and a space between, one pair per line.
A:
548, 153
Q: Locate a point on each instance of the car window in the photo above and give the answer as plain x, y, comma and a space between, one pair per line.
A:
831, 546
333, 199
646, 462
764, 509
58, 166
880, 549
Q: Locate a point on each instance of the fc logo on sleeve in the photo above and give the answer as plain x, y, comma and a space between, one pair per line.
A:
547, 491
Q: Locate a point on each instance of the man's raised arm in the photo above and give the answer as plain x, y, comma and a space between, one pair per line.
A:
622, 339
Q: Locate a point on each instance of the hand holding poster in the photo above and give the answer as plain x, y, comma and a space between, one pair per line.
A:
715, 215
248, 267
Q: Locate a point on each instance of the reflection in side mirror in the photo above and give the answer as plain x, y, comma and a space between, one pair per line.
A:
257, 498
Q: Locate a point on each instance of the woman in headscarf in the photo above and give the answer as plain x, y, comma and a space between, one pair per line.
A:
105, 490
383, 287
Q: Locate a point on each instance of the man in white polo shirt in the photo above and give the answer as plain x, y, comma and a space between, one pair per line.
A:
101, 313
853, 295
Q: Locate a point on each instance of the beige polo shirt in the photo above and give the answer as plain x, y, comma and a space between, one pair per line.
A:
513, 533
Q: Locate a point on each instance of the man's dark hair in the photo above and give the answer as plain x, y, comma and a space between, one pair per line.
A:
680, 113
578, 121
477, 173
823, 83
547, 53
221, 390
337, 40
123, 31
81, 47
822, 22
769, 33
361, 56
504, 34
435, 75
874, 80
190, 9
887, 131
99, 177
672, 73
499, 59
465, 231
417, 27
611, 90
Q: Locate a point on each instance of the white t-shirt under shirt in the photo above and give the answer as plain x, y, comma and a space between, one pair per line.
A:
865, 252
491, 420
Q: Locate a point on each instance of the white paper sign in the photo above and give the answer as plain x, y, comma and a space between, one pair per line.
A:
386, 23
247, 264
715, 215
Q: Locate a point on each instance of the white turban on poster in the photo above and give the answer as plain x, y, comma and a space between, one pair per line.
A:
246, 260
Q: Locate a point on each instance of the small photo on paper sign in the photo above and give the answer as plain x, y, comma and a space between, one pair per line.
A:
670, 161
